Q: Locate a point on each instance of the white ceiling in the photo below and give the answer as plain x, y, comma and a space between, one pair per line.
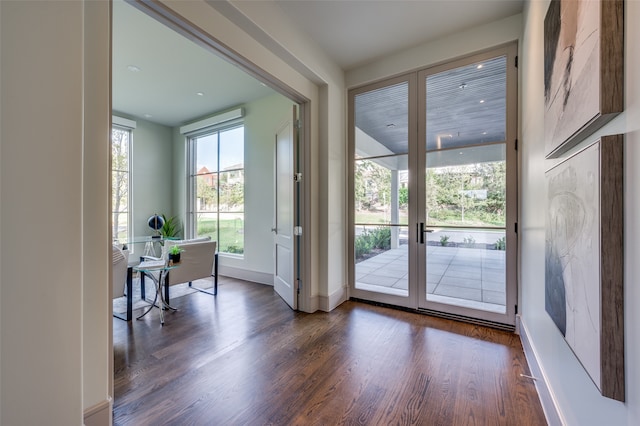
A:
172, 69
354, 32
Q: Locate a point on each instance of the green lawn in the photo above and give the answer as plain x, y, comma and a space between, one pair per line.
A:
231, 234
366, 216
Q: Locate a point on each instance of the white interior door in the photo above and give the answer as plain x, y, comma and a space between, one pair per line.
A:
285, 213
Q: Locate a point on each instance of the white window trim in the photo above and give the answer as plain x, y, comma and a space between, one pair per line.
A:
191, 167
129, 125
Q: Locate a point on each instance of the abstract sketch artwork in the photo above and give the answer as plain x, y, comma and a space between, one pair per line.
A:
572, 252
583, 69
580, 279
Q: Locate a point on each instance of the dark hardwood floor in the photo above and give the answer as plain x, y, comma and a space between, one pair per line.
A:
244, 358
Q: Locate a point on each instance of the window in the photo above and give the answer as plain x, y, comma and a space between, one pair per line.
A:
120, 189
217, 187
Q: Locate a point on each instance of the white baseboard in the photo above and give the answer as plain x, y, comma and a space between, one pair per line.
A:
99, 414
243, 274
329, 303
547, 399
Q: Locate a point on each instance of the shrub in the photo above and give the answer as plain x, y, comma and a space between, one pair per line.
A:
501, 244
378, 238
234, 249
444, 240
381, 238
469, 241
363, 244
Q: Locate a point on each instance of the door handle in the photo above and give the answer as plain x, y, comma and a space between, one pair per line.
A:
422, 230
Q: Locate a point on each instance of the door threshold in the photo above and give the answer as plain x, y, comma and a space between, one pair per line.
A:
445, 315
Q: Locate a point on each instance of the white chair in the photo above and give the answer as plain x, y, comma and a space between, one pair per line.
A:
198, 260
120, 260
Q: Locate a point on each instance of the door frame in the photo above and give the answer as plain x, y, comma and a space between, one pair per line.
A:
417, 120
412, 300
510, 51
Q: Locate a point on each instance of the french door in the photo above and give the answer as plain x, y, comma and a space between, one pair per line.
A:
433, 189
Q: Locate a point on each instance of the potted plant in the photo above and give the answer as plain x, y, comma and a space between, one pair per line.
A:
174, 254
170, 228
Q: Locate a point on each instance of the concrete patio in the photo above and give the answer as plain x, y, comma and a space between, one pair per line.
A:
470, 277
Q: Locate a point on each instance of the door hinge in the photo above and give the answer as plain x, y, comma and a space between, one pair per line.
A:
516, 144
298, 124
298, 285
516, 309
516, 227
297, 177
516, 62
297, 231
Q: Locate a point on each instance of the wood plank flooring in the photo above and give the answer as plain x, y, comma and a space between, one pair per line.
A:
244, 358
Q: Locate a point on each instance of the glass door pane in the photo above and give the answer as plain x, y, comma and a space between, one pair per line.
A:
468, 164
466, 206
381, 193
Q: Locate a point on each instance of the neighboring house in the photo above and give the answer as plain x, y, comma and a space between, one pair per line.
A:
55, 363
209, 178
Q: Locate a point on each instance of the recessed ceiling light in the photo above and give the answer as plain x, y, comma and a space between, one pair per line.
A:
148, 116
484, 133
200, 94
481, 101
133, 68
479, 66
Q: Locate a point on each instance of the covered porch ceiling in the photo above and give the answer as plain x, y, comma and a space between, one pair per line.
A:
465, 107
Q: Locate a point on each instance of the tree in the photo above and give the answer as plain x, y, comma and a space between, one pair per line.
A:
372, 185
206, 193
119, 175
232, 194
403, 197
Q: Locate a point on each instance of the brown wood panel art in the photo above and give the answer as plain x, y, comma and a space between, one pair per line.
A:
583, 70
584, 259
612, 267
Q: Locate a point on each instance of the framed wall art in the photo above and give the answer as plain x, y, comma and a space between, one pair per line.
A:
583, 69
584, 259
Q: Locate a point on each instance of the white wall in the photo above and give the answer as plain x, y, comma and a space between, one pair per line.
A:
53, 211
464, 43
151, 174
578, 400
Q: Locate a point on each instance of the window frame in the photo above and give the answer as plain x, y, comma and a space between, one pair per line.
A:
192, 168
129, 131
